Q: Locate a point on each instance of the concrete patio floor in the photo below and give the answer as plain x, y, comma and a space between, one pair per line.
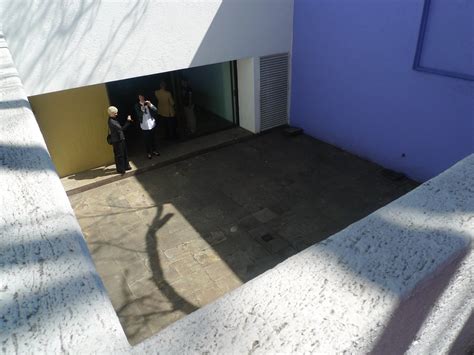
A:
170, 153
171, 240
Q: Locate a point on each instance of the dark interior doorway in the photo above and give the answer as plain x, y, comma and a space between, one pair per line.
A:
214, 90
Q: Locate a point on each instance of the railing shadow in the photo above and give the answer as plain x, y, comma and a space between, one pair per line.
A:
179, 303
24, 158
13, 104
465, 338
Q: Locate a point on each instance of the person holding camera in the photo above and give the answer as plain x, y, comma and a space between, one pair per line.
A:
145, 112
117, 139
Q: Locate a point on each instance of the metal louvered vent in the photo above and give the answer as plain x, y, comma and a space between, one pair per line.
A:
273, 91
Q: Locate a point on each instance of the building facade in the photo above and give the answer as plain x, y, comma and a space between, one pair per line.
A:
67, 51
354, 83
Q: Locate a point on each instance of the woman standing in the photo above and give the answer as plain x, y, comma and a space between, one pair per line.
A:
117, 139
144, 111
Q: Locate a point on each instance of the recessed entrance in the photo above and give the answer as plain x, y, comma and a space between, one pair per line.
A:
214, 101
74, 122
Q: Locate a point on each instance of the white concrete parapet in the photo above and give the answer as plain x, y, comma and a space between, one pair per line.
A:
399, 280
51, 297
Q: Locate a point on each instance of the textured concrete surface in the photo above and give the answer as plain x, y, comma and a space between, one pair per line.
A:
380, 285
51, 298
172, 240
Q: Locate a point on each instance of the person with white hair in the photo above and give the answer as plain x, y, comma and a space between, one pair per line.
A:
117, 139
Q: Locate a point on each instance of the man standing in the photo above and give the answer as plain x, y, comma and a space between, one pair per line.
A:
166, 109
143, 111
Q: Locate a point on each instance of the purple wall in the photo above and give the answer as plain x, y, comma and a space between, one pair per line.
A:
353, 86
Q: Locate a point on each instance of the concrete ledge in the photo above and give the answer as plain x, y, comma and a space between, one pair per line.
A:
381, 286
51, 298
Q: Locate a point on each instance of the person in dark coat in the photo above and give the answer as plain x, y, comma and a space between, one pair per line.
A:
117, 139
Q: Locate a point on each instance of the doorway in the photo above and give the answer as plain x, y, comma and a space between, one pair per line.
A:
214, 101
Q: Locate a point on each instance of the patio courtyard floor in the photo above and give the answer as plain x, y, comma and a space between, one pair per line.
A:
171, 240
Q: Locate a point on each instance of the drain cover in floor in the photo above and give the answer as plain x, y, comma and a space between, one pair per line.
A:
267, 237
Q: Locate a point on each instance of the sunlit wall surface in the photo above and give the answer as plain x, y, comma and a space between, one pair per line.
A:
58, 45
74, 126
353, 84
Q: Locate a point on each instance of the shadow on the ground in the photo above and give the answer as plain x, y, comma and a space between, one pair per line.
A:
265, 189
159, 278
230, 192
93, 173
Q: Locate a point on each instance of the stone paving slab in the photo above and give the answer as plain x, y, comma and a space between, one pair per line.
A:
172, 240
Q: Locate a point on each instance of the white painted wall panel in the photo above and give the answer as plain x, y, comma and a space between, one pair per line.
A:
62, 44
248, 114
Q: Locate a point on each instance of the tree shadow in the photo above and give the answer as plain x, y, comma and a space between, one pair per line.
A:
136, 312
72, 26
350, 283
410, 315
209, 194
55, 50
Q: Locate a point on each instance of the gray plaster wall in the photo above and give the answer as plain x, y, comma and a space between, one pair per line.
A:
51, 298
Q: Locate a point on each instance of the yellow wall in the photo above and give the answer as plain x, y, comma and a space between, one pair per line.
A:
74, 126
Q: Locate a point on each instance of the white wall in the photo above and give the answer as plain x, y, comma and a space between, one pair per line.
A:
62, 44
248, 79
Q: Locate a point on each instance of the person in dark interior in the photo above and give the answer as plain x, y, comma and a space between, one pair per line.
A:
145, 111
188, 106
166, 110
117, 139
